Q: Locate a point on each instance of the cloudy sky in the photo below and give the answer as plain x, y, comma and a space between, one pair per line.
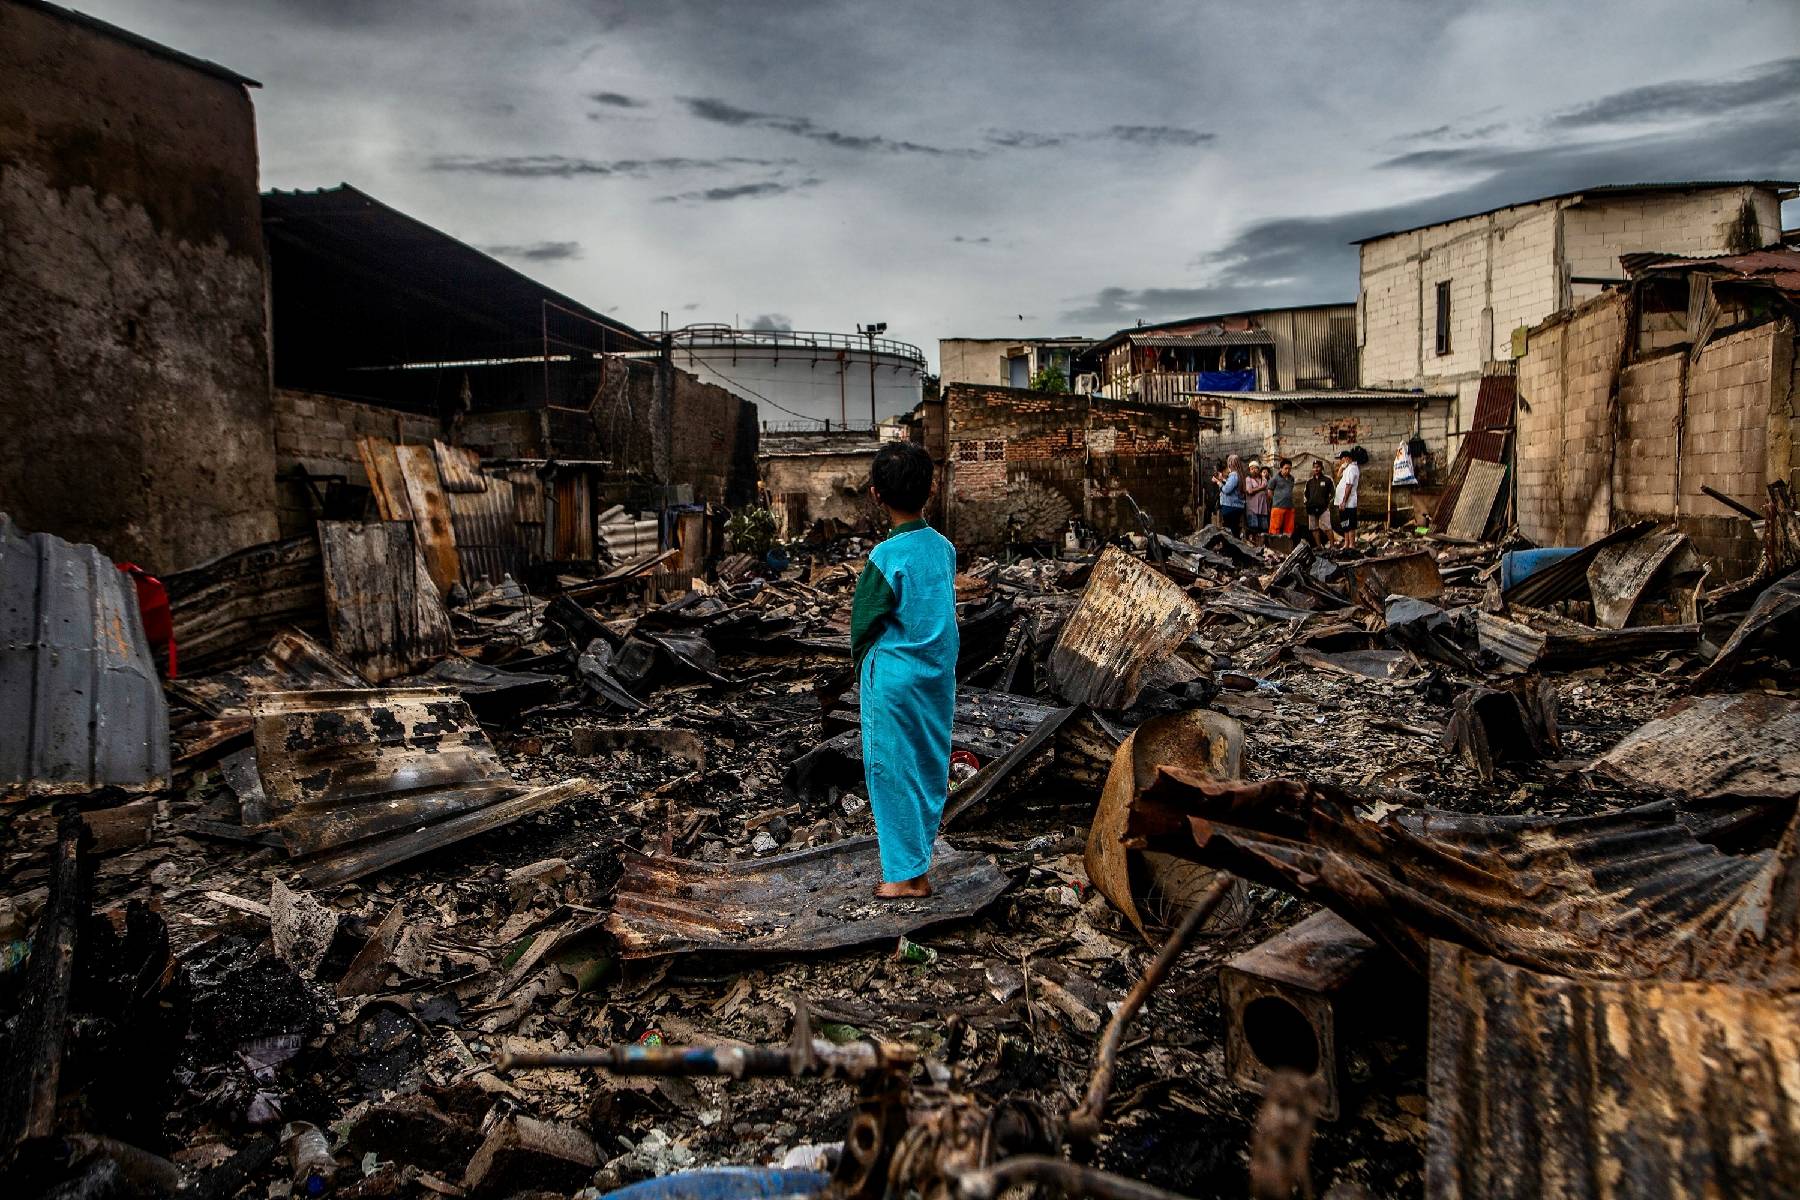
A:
951, 168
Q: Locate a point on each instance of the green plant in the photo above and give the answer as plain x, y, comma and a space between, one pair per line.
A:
751, 530
1049, 379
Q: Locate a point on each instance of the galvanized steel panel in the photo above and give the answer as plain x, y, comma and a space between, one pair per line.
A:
81, 705
1129, 618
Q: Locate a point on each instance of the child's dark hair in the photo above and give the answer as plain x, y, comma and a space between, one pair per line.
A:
902, 476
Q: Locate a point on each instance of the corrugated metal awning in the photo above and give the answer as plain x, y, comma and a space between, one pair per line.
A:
1224, 337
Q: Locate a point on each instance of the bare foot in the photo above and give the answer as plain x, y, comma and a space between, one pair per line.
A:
909, 890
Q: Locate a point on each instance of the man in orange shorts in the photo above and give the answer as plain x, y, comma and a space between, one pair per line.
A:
1281, 502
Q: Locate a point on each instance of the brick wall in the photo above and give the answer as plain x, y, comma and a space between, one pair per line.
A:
804, 488
1565, 433
319, 433
1041, 459
1649, 411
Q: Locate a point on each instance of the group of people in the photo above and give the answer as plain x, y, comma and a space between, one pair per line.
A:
1256, 504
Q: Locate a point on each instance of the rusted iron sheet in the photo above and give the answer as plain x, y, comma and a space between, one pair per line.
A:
341, 766
1652, 580
1413, 574
382, 466
226, 610
572, 539
1129, 619
431, 519
364, 858
1545, 1086
1494, 402
1551, 641
1203, 741
1777, 607
1622, 895
459, 468
1736, 747
81, 705
385, 615
1567, 578
1474, 510
814, 899
294, 662
489, 543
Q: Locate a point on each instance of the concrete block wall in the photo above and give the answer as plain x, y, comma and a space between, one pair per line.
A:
1146, 450
1713, 221
1725, 436
1649, 418
320, 434
804, 488
1564, 439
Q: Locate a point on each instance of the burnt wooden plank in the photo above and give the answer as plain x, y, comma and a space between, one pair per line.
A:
430, 515
384, 611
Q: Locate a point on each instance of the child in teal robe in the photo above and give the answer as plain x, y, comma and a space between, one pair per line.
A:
903, 636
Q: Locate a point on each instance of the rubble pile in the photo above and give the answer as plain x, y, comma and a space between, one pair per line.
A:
452, 890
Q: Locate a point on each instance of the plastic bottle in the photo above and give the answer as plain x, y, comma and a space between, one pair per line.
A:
910, 951
309, 1154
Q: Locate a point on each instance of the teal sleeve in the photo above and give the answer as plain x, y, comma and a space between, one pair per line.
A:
874, 600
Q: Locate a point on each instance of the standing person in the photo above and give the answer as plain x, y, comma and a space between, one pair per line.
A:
1256, 501
1231, 496
904, 641
1349, 477
1317, 498
1281, 502
1209, 490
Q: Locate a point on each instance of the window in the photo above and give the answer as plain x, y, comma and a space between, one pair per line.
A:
1443, 317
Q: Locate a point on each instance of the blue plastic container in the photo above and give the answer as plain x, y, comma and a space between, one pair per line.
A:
726, 1183
1519, 565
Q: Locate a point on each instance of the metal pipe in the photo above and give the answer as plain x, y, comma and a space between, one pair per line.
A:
1084, 1122
1066, 1177
739, 1062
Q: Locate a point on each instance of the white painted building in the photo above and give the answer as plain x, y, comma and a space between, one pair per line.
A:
802, 380
1439, 303
1006, 362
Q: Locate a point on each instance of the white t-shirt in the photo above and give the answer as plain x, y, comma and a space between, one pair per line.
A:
1346, 488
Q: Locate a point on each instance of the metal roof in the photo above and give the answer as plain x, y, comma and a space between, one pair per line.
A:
1214, 318
81, 705
1223, 337
1333, 396
1776, 265
139, 41
1580, 193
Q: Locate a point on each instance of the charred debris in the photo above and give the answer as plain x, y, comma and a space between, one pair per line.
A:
1262, 872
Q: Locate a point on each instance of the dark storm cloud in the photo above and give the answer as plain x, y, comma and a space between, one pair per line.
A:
720, 113
1451, 133
1159, 135
772, 321
561, 166
972, 241
1309, 260
537, 251
741, 191
617, 100
1025, 139
1682, 99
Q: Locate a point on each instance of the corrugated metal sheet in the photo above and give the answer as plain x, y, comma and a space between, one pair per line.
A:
1479, 445
1621, 895
489, 543
1224, 337
294, 662
574, 535
226, 610
341, 766
81, 705
529, 501
459, 468
809, 900
383, 608
1494, 403
1548, 1086
1129, 618
1775, 265
1734, 747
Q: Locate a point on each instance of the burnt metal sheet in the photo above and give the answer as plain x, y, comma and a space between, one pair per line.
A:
814, 899
1547, 1086
81, 705
341, 766
1412, 574
1626, 581
1777, 607
1744, 746
1546, 640
431, 520
572, 538
227, 609
294, 662
1239, 599
363, 858
1621, 895
388, 485
459, 468
490, 545
384, 612
1566, 578
1478, 445
1129, 619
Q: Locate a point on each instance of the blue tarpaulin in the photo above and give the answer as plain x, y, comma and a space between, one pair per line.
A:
1225, 381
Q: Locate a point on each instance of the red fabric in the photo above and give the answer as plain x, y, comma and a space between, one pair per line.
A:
1281, 522
153, 607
